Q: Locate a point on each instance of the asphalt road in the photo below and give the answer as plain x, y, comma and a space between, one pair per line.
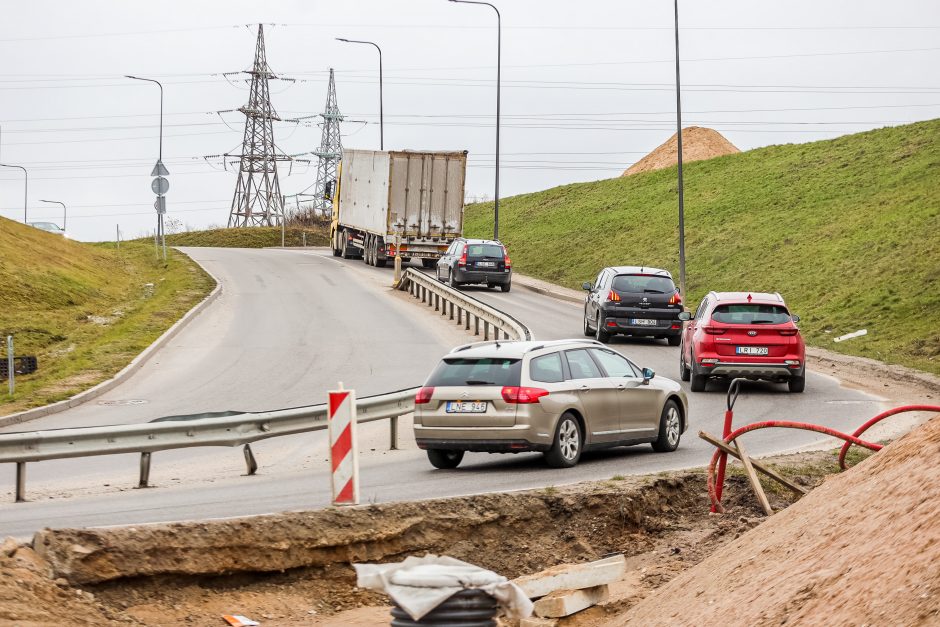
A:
291, 324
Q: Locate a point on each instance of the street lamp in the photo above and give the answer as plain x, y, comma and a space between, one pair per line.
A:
25, 186
679, 137
159, 170
499, 43
381, 116
58, 202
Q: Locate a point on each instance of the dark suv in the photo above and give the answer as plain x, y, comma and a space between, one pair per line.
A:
633, 300
476, 261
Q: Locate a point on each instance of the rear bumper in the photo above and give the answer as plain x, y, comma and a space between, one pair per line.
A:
624, 324
766, 371
482, 446
517, 438
495, 277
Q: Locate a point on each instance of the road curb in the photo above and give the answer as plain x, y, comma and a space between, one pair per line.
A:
547, 292
123, 374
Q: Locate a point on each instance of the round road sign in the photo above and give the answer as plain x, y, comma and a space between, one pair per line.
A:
160, 185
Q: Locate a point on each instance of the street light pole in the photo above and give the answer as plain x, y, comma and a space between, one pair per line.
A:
499, 46
25, 186
159, 169
679, 138
64, 213
381, 98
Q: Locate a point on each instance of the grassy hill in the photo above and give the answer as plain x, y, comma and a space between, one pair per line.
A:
848, 230
254, 237
85, 310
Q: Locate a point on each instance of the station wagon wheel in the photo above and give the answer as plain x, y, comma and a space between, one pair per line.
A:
670, 429
444, 459
567, 444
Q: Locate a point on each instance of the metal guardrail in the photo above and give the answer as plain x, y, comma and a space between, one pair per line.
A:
462, 308
185, 432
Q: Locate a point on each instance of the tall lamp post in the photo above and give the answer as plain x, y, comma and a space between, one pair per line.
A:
159, 170
499, 44
679, 137
381, 115
64, 212
25, 186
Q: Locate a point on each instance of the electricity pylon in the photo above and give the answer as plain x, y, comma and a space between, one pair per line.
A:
258, 200
331, 149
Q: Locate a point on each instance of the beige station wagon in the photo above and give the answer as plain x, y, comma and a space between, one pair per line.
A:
559, 397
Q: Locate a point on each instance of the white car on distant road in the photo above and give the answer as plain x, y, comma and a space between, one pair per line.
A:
49, 227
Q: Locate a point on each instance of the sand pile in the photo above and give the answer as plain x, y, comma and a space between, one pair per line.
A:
863, 548
697, 144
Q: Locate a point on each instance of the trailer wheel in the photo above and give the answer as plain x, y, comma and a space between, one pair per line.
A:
367, 253
377, 259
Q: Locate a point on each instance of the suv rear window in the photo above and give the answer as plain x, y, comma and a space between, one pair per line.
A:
456, 371
643, 284
750, 313
485, 250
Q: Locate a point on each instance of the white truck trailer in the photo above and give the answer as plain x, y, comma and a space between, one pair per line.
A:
411, 197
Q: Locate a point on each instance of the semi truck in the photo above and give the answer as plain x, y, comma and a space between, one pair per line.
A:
397, 203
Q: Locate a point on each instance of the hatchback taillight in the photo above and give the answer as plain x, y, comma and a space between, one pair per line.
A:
788, 331
522, 395
676, 299
613, 297
507, 260
424, 396
713, 330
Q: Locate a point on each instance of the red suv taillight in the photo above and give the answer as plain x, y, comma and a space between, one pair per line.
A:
424, 396
613, 297
523, 395
713, 330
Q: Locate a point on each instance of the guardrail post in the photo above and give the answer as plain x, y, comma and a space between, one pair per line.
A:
476, 324
20, 482
144, 470
393, 434
250, 460
451, 311
437, 302
459, 315
486, 330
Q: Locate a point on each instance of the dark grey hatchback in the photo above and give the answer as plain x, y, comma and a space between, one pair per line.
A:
633, 300
476, 261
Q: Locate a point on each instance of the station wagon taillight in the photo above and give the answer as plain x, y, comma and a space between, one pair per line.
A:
424, 395
522, 395
463, 258
507, 260
613, 297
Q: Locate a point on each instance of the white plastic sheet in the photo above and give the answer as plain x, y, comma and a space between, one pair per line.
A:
420, 584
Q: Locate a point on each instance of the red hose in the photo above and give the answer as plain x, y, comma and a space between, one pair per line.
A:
714, 490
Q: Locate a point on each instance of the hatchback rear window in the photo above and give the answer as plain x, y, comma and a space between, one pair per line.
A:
455, 371
485, 250
643, 284
749, 313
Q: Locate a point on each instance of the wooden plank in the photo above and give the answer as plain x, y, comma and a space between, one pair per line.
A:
752, 477
572, 576
773, 474
538, 622
568, 602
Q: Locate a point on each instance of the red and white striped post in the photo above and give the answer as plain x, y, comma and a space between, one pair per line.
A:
344, 457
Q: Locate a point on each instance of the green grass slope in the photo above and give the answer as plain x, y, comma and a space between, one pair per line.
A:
253, 237
84, 310
848, 230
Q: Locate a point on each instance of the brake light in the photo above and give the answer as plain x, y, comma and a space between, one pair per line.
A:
507, 260
463, 258
788, 331
613, 297
522, 395
423, 396
713, 330
676, 299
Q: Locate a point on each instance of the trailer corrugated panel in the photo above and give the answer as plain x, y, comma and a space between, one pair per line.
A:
426, 193
363, 191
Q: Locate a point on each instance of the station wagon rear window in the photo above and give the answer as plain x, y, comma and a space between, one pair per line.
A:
461, 371
643, 284
485, 250
751, 313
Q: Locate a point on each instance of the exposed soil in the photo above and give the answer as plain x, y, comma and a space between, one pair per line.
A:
698, 144
294, 569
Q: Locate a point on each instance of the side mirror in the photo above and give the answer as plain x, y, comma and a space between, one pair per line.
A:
795, 317
587, 286
685, 315
648, 373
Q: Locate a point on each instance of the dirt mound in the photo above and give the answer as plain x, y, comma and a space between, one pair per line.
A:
863, 548
698, 144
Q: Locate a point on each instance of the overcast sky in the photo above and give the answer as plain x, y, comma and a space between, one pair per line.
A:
588, 88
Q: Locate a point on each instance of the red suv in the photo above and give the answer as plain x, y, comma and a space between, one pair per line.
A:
740, 334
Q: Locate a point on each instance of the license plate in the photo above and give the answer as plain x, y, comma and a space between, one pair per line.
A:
751, 350
466, 407
643, 322
486, 264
